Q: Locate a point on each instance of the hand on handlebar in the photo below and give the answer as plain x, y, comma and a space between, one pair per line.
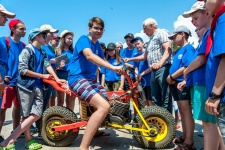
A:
126, 60
118, 69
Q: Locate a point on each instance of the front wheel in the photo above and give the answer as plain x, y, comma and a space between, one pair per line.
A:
162, 126
57, 116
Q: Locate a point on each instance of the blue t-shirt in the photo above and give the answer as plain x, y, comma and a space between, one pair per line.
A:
50, 53
79, 66
197, 76
214, 57
13, 60
142, 66
182, 58
3, 48
126, 53
109, 74
38, 67
69, 55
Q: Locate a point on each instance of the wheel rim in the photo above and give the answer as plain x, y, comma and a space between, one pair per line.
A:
158, 131
53, 122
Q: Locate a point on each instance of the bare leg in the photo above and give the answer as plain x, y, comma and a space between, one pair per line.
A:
16, 116
2, 118
187, 120
51, 102
211, 136
60, 98
23, 127
70, 102
95, 120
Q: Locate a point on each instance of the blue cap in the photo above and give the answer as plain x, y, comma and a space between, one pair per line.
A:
33, 33
135, 39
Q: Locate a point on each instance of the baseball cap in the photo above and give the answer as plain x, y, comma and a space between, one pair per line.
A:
102, 44
13, 23
180, 29
47, 27
55, 36
111, 46
33, 33
199, 5
135, 39
129, 35
8, 14
65, 32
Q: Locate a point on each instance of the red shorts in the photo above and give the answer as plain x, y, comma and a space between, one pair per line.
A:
9, 96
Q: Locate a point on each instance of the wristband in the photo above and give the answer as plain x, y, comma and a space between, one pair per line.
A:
172, 78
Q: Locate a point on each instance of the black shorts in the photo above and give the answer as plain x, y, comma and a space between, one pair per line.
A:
147, 90
178, 95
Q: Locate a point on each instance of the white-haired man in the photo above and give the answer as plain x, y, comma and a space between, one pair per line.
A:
158, 54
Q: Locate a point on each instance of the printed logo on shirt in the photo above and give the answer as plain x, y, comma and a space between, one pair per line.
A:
180, 56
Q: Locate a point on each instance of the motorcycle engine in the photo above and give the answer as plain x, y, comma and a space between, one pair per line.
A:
118, 112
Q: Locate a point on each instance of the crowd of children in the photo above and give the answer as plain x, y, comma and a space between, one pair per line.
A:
159, 69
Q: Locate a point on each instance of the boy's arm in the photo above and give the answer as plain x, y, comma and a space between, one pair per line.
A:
219, 84
23, 65
146, 71
196, 63
121, 83
90, 56
171, 78
103, 80
138, 58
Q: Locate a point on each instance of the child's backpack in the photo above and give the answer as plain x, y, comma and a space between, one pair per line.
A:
8, 44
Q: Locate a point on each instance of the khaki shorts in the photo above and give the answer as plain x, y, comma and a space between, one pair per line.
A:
31, 102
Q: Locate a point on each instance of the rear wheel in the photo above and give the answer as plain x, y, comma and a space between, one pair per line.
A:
162, 126
57, 116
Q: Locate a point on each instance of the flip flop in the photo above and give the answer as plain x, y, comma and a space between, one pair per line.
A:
102, 133
10, 147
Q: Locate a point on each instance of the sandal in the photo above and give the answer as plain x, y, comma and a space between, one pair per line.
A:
185, 146
179, 140
10, 147
32, 145
101, 133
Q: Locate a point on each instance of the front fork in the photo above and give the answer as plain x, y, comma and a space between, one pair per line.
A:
136, 110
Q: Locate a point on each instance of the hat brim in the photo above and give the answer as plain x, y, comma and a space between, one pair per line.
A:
66, 33
171, 36
9, 14
54, 30
188, 13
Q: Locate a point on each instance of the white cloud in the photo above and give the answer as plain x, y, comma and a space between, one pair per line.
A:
187, 22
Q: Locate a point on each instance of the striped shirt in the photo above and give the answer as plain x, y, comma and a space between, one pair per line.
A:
155, 49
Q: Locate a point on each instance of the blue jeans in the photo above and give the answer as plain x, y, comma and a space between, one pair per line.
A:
160, 88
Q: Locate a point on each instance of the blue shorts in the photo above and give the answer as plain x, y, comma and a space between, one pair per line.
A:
87, 88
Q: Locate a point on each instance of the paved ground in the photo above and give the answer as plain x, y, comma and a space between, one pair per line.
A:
118, 140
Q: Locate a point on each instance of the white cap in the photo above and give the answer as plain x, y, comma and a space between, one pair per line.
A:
48, 27
199, 5
8, 14
65, 32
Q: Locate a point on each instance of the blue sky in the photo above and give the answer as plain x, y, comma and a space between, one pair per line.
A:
120, 16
